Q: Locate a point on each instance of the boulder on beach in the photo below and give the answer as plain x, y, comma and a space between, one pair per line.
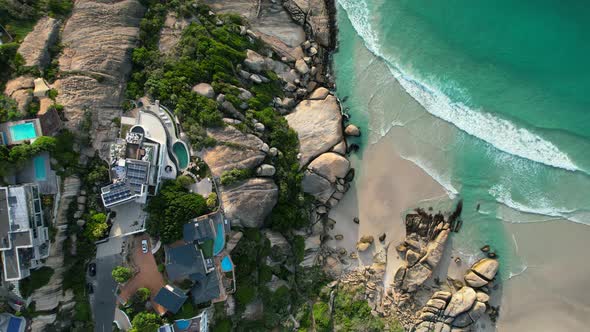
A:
330, 166
352, 130
318, 124
486, 267
461, 301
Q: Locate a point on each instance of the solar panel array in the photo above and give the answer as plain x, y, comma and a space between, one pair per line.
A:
137, 174
118, 192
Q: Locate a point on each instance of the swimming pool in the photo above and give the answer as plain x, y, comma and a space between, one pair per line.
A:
219, 240
40, 170
226, 265
23, 131
182, 324
181, 154
14, 324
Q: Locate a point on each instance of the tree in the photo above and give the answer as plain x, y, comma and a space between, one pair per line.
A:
145, 322
142, 295
185, 180
96, 227
171, 209
212, 201
121, 274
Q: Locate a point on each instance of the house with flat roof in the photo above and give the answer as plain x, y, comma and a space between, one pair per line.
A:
170, 297
24, 238
140, 160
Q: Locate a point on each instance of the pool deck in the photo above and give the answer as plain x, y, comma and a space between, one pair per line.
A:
7, 136
26, 174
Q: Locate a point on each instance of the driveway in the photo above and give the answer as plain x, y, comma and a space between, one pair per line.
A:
147, 275
130, 218
103, 301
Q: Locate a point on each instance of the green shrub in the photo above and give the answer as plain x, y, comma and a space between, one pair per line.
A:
321, 316
121, 274
171, 209
235, 175
245, 294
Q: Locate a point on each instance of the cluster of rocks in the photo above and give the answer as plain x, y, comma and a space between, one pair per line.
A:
371, 278
459, 311
422, 250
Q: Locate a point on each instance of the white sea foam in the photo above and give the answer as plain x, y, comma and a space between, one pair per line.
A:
542, 205
445, 182
500, 133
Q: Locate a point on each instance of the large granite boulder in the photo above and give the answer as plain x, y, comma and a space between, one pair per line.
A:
486, 268
233, 150
317, 15
98, 39
331, 166
249, 202
461, 301
35, 46
318, 124
205, 90
19, 89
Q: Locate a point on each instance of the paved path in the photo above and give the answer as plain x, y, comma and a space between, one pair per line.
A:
103, 301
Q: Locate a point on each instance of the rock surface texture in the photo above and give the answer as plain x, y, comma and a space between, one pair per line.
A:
35, 46
318, 124
247, 203
95, 63
234, 150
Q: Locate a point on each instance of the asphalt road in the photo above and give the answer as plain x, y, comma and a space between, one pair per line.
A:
104, 298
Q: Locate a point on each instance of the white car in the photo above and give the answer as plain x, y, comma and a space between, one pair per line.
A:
144, 246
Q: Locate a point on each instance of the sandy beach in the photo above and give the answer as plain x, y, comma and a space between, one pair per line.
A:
552, 294
386, 186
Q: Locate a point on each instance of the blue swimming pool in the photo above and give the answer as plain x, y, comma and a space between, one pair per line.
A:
182, 324
40, 170
181, 154
14, 324
226, 265
23, 131
219, 241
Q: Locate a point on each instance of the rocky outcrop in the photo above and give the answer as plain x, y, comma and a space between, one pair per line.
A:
234, 150
269, 21
482, 272
318, 124
95, 63
247, 203
171, 32
314, 15
279, 246
35, 46
320, 178
20, 89
422, 249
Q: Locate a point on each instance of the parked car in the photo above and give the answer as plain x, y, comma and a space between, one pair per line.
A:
90, 288
144, 246
92, 269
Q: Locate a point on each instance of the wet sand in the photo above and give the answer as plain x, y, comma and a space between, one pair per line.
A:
552, 294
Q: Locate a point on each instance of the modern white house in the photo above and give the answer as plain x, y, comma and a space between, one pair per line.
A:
142, 159
24, 238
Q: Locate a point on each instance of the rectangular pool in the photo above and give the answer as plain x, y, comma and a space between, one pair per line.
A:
23, 131
40, 169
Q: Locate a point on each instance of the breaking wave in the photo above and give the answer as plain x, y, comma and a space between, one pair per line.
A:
500, 133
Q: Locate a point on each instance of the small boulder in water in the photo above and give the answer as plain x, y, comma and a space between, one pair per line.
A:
485, 248
356, 220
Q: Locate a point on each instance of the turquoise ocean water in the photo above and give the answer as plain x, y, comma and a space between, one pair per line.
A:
504, 121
